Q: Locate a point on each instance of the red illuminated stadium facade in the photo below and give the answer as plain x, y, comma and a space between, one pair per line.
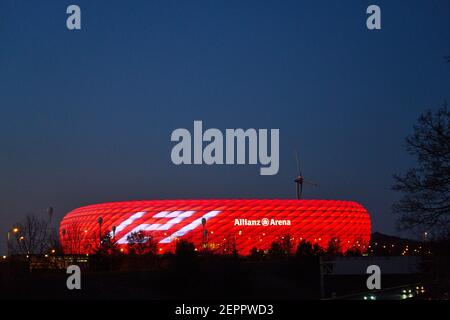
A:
240, 224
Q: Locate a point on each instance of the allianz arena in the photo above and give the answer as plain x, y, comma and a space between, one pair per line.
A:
240, 224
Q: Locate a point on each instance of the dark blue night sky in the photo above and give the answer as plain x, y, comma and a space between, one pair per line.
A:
86, 116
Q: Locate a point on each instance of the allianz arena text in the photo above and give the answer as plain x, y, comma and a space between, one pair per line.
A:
219, 224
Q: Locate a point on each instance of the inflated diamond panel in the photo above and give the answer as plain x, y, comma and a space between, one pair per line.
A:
240, 224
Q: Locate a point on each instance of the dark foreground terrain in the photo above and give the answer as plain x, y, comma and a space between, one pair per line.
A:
214, 278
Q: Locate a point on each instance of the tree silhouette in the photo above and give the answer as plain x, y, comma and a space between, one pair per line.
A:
255, 254
184, 249
286, 244
304, 249
138, 243
33, 236
334, 247
185, 255
353, 252
426, 188
72, 237
107, 246
276, 250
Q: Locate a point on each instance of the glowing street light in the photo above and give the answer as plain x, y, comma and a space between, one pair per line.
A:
14, 230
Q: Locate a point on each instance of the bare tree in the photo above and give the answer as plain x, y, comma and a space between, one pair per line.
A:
334, 247
229, 245
72, 238
426, 188
33, 236
287, 244
307, 249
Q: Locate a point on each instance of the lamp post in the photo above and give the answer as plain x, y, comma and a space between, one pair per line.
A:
50, 214
63, 233
8, 237
100, 221
203, 233
7, 243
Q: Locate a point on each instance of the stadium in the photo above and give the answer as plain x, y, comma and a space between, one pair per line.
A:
218, 224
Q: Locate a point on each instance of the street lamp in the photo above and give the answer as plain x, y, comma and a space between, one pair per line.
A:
7, 243
100, 221
204, 232
50, 213
14, 230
